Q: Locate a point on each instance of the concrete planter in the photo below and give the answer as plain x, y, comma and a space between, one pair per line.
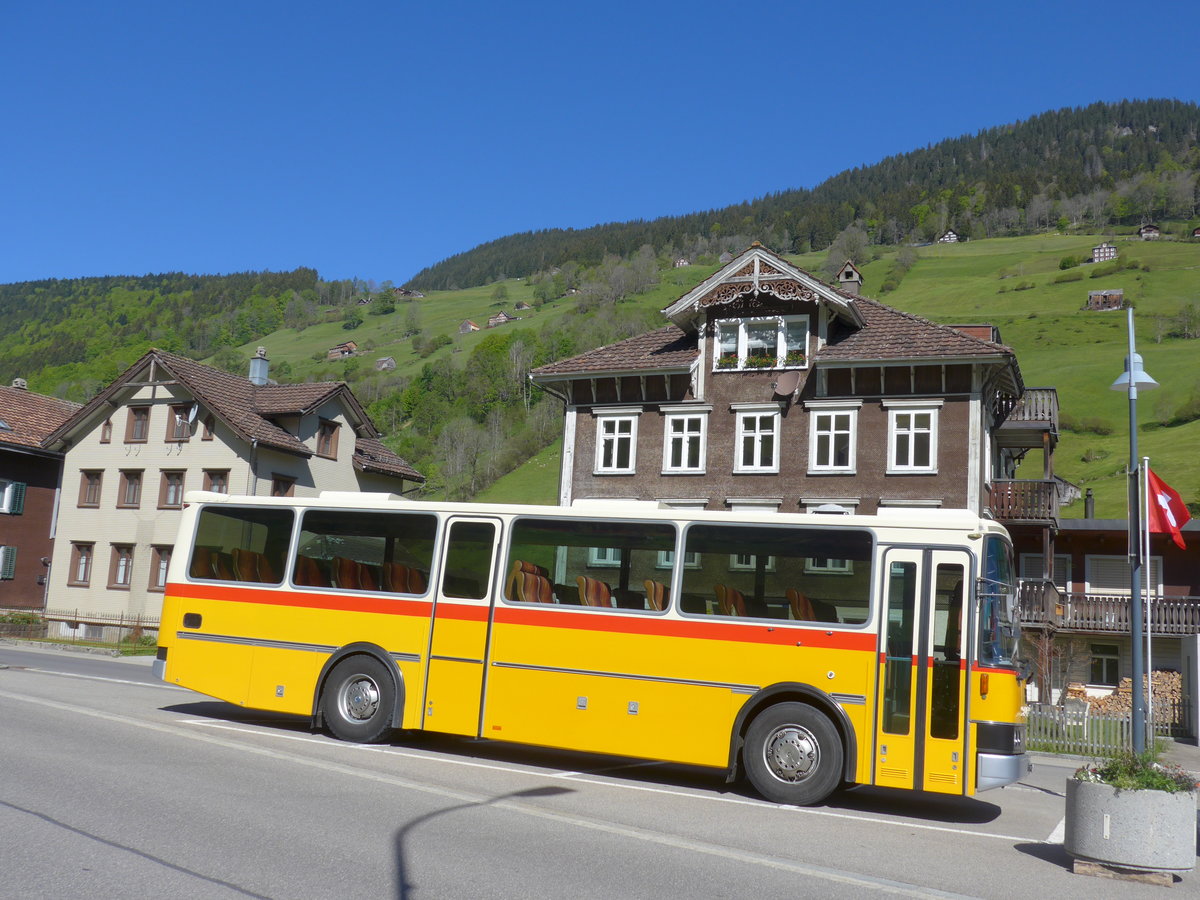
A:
1150, 830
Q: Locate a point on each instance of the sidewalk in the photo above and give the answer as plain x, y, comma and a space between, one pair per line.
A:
1184, 754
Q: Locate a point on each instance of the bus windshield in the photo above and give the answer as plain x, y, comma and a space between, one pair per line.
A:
997, 598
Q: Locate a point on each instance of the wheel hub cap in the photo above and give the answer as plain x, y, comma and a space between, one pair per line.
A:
792, 754
360, 699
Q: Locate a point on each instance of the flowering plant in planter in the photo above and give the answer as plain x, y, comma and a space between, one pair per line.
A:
1130, 771
760, 362
727, 362
794, 358
1132, 813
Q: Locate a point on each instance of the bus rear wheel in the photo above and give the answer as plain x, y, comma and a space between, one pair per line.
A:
793, 754
358, 699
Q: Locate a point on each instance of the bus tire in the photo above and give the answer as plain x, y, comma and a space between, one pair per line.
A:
357, 700
793, 754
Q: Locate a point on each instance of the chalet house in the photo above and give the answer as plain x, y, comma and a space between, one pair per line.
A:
1077, 625
405, 292
168, 425
1114, 298
949, 237
29, 480
522, 306
385, 364
467, 326
500, 318
1149, 232
682, 261
341, 351
1104, 252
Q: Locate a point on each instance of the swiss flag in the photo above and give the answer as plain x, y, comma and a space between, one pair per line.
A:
1167, 514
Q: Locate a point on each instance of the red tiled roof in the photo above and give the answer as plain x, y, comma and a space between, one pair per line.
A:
370, 455
667, 348
31, 418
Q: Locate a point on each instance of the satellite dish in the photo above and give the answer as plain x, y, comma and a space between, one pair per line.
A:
192, 413
787, 383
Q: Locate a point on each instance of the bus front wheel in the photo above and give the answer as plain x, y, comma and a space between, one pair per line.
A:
793, 754
357, 700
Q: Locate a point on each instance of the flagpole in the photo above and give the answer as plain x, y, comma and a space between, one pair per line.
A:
1149, 621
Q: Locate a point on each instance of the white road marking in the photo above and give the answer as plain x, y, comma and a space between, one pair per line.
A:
1059, 832
149, 684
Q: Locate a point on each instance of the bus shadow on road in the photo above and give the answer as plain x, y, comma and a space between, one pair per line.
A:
574, 765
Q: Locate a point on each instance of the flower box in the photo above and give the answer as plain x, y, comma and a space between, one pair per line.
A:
1148, 830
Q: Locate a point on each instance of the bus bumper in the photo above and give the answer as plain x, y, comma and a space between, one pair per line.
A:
995, 770
160, 664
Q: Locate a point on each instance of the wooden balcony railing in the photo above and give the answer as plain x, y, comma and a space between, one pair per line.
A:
1040, 604
1024, 501
1036, 405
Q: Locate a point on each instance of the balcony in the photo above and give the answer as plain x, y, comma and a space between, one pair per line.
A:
1040, 604
1032, 422
1015, 501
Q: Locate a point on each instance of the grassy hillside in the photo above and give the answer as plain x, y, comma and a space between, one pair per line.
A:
1058, 343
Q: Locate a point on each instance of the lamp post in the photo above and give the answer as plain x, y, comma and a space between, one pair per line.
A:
1133, 378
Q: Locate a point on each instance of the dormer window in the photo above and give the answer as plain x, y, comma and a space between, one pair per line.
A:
764, 342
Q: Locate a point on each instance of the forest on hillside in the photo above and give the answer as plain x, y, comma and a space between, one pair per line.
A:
1117, 164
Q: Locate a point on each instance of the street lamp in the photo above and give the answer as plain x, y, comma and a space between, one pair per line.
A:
1133, 378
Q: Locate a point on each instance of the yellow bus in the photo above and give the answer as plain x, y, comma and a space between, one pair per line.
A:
803, 651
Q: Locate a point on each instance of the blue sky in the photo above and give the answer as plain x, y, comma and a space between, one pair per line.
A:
370, 139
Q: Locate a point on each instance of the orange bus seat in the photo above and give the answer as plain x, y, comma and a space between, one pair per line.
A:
802, 608
519, 566
534, 588
730, 601
203, 564
308, 573
593, 592
345, 573
656, 595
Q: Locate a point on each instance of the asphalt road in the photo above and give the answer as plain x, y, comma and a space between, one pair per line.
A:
115, 785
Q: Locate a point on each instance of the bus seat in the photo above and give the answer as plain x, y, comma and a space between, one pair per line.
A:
368, 579
593, 592
730, 601
223, 566
401, 579
203, 564
417, 581
245, 564
802, 608
308, 573
345, 573
519, 566
534, 588
656, 594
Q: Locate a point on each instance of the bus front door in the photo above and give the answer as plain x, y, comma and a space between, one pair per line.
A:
459, 634
920, 735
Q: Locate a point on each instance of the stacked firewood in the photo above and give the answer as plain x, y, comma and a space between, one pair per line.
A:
1166, 696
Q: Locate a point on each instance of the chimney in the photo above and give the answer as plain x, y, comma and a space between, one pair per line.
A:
849, 278
20, 384
258, 367
1089, 505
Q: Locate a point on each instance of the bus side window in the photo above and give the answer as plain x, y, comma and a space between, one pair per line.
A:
241, 544
468, 560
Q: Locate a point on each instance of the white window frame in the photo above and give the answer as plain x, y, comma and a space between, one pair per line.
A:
1121, 560
814, 565
1031, 568
745, 412
781, 343
820, 411
8, 490
604, 557
749, 564
896, 409
666, 559
615, 419
685, 437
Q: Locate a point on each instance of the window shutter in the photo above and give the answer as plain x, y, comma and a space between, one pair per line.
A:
16, 504
8, 563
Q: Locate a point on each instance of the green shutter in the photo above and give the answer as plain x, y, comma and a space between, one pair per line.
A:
16, 502
8, 562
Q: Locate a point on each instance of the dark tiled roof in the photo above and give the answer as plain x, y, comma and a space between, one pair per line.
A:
30, 417
892, 334
664, 348
370, 455
247, 409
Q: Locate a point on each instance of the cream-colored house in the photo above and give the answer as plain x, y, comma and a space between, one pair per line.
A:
168, 425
